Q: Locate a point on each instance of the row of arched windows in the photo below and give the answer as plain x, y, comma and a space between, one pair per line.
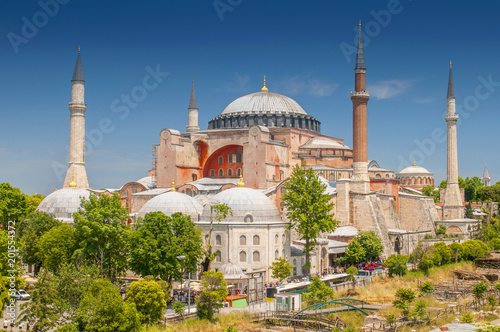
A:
231, 158
220, 173
419, 180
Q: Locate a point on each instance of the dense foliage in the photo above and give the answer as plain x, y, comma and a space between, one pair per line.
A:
213, 293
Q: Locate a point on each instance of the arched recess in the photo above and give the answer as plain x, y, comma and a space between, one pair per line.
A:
213, 161
202, 151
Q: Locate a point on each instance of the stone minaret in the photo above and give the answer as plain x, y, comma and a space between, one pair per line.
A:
360, 182
193, 113
452, 207
77, 107
486, 177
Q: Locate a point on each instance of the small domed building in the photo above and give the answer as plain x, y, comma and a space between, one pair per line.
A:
252, 237
64, 202
415, 177
172, 202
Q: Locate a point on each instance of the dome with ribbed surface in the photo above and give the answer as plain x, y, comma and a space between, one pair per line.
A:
264, 102
414, 169
232, 271
248, 206
63, 203
172, 202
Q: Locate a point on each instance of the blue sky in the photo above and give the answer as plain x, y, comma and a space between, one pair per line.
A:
303, 48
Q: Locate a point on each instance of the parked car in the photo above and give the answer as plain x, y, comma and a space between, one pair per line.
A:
22, 295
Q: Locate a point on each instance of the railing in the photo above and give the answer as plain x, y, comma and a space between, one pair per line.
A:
287, 319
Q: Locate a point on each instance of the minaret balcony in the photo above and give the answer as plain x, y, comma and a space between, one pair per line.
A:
365, 94
451, 117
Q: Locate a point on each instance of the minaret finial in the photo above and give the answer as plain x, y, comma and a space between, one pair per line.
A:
450, 64
173, 184
264, 89
241, 184
359, 26
78, 49
414, 162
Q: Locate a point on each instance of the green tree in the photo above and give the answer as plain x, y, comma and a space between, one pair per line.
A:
466, 318
473, 249
308, 208
34, 200
149, 300
67, 328
456, 250
282, 268
479, 289
371, 243
426, 263
101, 234
10, 264
426, 288
103, 310
441, 230
471, 187
468, 211
178, 307
159, 239
420, 309
218, 212
444, 252
14, 205
492, 301
213, 293
431, 191
319, 292
34, 228
489, 194
403, 299
355, 252
56, 247
352, 272
396, 265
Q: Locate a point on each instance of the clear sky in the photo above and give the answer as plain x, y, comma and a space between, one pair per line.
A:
303, 47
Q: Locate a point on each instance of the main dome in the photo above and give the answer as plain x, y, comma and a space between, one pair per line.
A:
264, 102
63, 203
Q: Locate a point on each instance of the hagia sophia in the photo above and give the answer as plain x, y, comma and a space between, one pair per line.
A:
244, 158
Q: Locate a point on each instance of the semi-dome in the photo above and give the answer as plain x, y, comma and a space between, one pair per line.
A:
264, 102
172, 202
248, 206
63, 203
232, 271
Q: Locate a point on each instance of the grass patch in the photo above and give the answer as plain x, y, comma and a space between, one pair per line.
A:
221, 323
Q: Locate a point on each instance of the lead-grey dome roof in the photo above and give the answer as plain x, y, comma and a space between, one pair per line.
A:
248, 206
232, 271
63, 203
265, 102
172, 202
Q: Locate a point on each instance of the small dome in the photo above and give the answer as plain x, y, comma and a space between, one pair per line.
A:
172, 202
232, 271
265, 102
63, 203
248, 205
414, 169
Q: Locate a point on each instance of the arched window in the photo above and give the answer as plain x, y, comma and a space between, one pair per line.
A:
125, 194
256, 240
218, 258
387, 176
294, 267
229, 172
134, 189
238, 172
256, 256
378, 176
221, 160
276, 254
218, 240
283, 238
221, 172
212, 173
282, 175
194, 177
188, 192
243, 240
332, 177
243, 256
238, 155
230, 158
276, 238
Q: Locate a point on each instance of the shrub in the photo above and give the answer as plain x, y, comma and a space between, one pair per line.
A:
396, 265
466, 318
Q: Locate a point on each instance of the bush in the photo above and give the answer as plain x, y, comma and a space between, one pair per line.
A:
466, 318
396, 265
426, 288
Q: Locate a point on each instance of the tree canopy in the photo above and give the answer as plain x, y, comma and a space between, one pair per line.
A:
213, 292
56, 247
159, 239
308, 208
281, 268
318, 292
14, 205
101, 234
149, 300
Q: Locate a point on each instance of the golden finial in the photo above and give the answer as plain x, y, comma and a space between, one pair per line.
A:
450, 64
173, 184
414, 163
359, 26
264, 89
78, 49
241, 184
72, 184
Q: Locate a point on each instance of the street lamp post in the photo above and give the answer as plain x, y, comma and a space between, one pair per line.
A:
181, 258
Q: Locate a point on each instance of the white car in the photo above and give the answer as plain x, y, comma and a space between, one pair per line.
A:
22, 295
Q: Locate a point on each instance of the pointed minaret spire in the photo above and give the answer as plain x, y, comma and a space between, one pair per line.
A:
78, 72
486, 177
451, 88
360, 55
193, 113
